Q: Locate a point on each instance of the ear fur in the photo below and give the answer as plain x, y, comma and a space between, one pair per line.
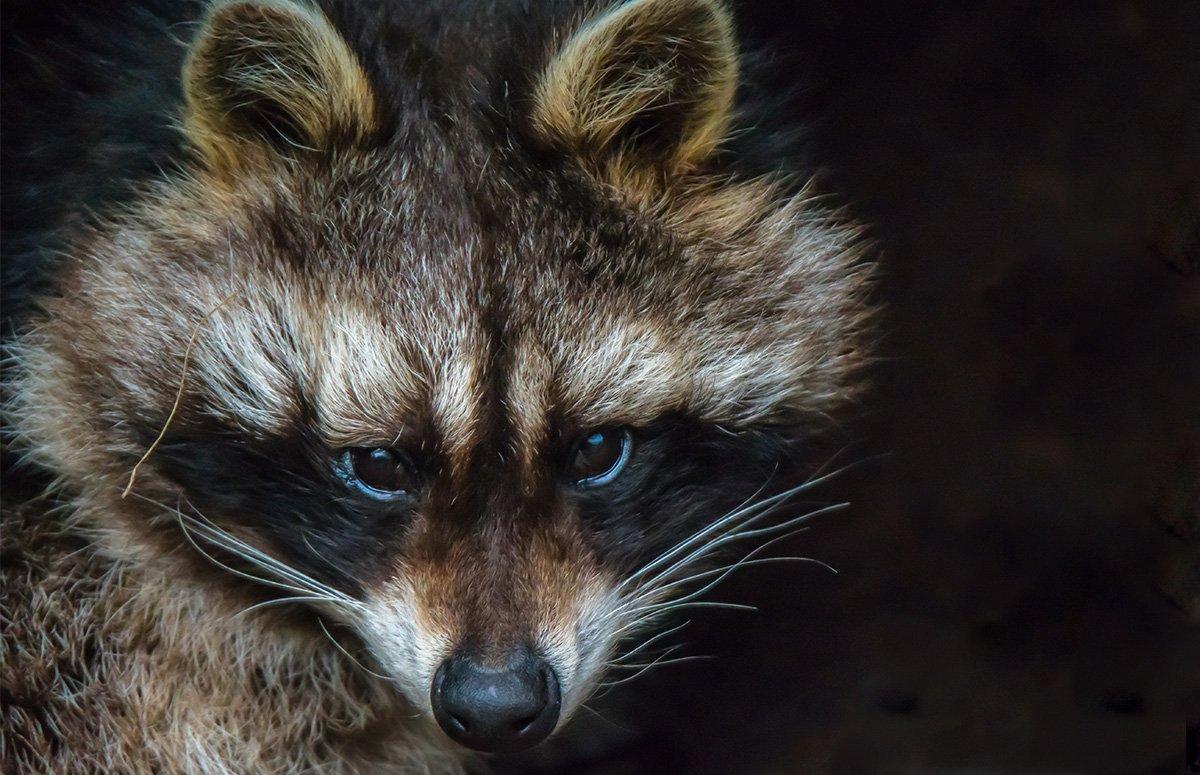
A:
269, 77
646, 86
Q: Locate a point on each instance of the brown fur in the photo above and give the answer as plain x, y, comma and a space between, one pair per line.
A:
444, 291
111, 668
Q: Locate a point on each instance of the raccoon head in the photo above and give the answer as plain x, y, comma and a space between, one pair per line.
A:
481, 358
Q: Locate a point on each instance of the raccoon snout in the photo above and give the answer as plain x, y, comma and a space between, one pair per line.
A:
496, 709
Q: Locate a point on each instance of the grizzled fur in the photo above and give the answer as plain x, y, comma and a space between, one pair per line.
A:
468, 231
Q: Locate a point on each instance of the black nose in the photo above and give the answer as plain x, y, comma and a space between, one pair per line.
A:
496, 709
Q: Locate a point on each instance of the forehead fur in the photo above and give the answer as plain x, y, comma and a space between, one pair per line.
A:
368, 310
372, 310
446, 271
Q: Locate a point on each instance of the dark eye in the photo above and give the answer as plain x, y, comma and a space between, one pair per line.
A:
599, 455
379, 472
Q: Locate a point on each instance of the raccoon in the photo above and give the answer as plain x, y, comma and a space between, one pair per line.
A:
457, 343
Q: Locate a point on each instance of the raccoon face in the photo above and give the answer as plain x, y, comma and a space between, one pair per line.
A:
483, 376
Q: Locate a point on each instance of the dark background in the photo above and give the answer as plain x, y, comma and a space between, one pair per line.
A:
1019, 583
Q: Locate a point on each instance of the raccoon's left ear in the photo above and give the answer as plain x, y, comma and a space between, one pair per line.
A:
645, 87
272, 77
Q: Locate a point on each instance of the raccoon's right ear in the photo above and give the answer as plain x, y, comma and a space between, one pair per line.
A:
642, 91
269, 77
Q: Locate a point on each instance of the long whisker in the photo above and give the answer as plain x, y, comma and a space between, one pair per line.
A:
285, 600
187, 534
675, 661
604, 718
794, 521
704, 604
736, 534
263, 557
610, 685
647, 643
723, 572
268, 562
655, 582
228, 542
666, 555
745, 513
642, 670
286, 577
747, 564
350, 656
748, 504
741, 534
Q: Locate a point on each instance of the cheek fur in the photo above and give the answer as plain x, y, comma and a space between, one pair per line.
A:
404, 640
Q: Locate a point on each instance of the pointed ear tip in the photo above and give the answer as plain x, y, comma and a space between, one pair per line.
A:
720, 11
256, 6
590, 94
725, 29
709, 23
317, 89
717, 12
228, 17
224, 11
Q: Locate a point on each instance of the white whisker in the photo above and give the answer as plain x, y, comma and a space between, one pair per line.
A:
734, 535
285, 600
286, 578
350, 656
725, 571
646, 643
747, 512
609, 685
650, 592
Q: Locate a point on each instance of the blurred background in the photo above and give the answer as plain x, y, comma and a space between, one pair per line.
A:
1019, 575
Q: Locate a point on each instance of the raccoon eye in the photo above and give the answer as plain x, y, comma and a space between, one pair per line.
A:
599, 455
377, 471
